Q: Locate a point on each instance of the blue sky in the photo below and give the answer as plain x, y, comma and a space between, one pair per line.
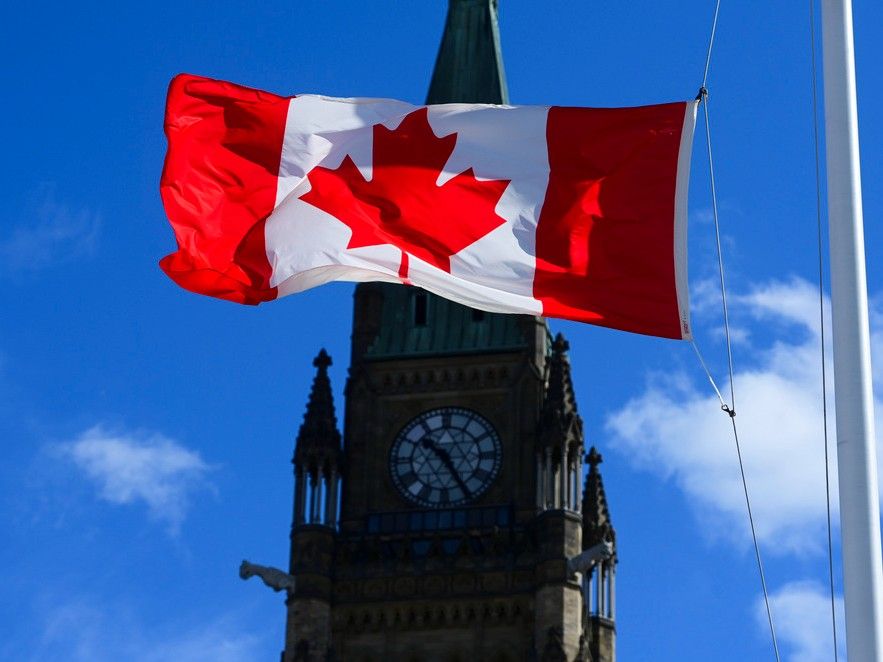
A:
147, 432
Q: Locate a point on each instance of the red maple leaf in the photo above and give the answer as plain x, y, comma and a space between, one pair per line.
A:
401, 204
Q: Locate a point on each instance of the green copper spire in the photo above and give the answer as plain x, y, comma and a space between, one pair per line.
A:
469, 66
393, 320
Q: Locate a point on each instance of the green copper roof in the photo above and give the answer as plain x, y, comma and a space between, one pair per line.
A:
409, 326
469, 68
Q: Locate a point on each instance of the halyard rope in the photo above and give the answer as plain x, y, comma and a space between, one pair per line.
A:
731, 408
815, 126
717, 8
703, 98
708, 374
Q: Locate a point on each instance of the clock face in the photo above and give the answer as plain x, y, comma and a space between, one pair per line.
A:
445, 457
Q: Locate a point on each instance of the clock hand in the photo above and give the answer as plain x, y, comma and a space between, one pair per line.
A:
445, 458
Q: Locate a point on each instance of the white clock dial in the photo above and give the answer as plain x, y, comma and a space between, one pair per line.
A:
445, 457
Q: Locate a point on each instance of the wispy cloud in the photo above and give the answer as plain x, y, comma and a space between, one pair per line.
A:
675, 427
703, 215
130, 468
81, 629
802, 613
54, 233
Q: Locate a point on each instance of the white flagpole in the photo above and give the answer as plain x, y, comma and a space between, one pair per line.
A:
856, 446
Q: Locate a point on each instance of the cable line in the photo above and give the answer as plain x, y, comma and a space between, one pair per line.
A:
717, 8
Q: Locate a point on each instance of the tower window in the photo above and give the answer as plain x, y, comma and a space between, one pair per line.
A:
421, 303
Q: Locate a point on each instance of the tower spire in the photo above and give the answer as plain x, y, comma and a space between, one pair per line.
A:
468, 69
469, 66
318, 433
560, 421
317, 453
599, 587
597, 525
559, 436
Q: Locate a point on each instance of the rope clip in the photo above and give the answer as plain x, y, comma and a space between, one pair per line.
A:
731, 412
703, 93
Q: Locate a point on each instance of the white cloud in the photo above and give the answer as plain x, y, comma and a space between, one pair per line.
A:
802, 617
676, 428
703, 216
129, 468
54, 234
81, 631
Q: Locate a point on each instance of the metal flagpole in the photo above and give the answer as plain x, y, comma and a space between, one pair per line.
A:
856, 446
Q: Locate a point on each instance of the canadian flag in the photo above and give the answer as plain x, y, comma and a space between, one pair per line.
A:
577, 213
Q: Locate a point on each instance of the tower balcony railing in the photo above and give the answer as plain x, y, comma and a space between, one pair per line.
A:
411, 521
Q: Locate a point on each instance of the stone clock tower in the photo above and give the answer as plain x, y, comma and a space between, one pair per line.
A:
440, 524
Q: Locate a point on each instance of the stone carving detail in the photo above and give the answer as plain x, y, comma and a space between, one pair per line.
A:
433, 615
455, 379
584, 562
273, 577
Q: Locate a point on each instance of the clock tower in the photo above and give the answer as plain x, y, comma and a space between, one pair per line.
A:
439, 526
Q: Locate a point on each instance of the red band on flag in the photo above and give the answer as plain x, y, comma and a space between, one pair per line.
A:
219, 185
605, 238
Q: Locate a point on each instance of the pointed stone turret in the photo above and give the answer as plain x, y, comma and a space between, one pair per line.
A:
597, 526
560, 436
469, 66
600, 586
560, 421
318, 435
317, 453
